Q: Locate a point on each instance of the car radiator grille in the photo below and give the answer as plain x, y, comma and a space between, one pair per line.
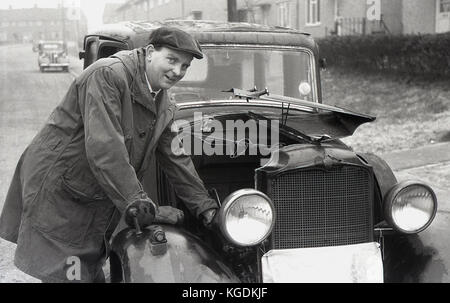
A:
316, 208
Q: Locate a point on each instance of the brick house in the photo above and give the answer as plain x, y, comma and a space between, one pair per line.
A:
318, 17
349, 17
33, 24
154, 10
395, 16
109, 13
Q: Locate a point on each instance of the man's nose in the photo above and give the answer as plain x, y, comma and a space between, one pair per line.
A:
177, 70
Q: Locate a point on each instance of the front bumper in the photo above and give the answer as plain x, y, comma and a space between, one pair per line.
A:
54, 64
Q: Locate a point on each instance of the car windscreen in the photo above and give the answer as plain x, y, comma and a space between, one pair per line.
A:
283, 71
52, 47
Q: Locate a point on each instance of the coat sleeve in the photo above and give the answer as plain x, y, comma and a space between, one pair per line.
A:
100, 104
182, 175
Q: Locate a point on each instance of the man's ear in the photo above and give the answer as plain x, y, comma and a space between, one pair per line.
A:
149, 50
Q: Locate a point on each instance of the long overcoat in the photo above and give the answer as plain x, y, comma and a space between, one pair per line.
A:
85, 166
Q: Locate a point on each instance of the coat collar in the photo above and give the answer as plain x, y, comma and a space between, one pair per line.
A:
134, 61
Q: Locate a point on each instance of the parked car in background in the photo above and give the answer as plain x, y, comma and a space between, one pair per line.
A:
310, 210
52, 55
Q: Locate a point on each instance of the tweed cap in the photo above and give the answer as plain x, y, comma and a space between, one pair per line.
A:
176, 39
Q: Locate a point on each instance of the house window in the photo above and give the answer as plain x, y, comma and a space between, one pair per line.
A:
444, 6
197, 15
261, 14
242, 15
283, 14
313, 12
265, 9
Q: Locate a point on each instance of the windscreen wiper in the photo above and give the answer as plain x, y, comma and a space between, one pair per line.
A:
265, 95
292, 133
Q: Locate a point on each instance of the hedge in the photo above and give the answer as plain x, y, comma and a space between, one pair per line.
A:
417, 55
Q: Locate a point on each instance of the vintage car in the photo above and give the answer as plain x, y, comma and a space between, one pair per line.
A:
296, 203
52, 55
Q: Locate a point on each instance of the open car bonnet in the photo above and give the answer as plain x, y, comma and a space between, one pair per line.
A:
309, 118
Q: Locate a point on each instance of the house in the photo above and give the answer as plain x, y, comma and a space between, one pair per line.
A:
393, 16
352, 17
109, 13
33, 24
154, 10
318, 17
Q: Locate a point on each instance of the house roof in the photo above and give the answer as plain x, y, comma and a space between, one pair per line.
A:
30, 14
110, 11
35, 14
129, 3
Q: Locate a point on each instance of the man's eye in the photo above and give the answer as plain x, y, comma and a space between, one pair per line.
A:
171, 60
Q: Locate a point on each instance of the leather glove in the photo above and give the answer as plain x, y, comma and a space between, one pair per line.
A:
169, 215
208, 217
143, 210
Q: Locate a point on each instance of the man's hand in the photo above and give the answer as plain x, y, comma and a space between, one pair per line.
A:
143, 210
169, 215
208, 217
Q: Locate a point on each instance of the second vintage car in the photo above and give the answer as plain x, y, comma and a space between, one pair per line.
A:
52, 55
296, 203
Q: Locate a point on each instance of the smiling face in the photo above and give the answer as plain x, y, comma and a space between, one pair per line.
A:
166, 66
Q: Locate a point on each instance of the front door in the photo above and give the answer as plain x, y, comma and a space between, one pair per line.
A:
442, 16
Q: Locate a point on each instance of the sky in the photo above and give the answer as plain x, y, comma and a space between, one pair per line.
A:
93, 9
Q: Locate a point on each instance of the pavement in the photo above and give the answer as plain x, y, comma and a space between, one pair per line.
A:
422, 156
429, 164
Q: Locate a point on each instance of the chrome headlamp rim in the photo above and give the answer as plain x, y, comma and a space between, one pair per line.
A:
393, 193
228, 203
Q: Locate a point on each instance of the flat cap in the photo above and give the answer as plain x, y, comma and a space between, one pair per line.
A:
176, 39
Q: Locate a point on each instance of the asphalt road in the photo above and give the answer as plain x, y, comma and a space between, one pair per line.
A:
27, 97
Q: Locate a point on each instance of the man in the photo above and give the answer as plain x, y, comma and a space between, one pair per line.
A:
84, 169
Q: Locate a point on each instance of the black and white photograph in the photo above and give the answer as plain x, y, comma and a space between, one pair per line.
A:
225, 141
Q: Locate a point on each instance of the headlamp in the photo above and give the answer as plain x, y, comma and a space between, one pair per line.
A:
246, 217
410, 206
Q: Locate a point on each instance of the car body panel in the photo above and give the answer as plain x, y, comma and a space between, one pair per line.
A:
186, 259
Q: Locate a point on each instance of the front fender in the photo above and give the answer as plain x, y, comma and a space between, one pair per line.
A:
423, 257
187, 259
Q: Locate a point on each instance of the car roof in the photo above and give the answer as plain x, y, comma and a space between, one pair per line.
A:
136, 33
